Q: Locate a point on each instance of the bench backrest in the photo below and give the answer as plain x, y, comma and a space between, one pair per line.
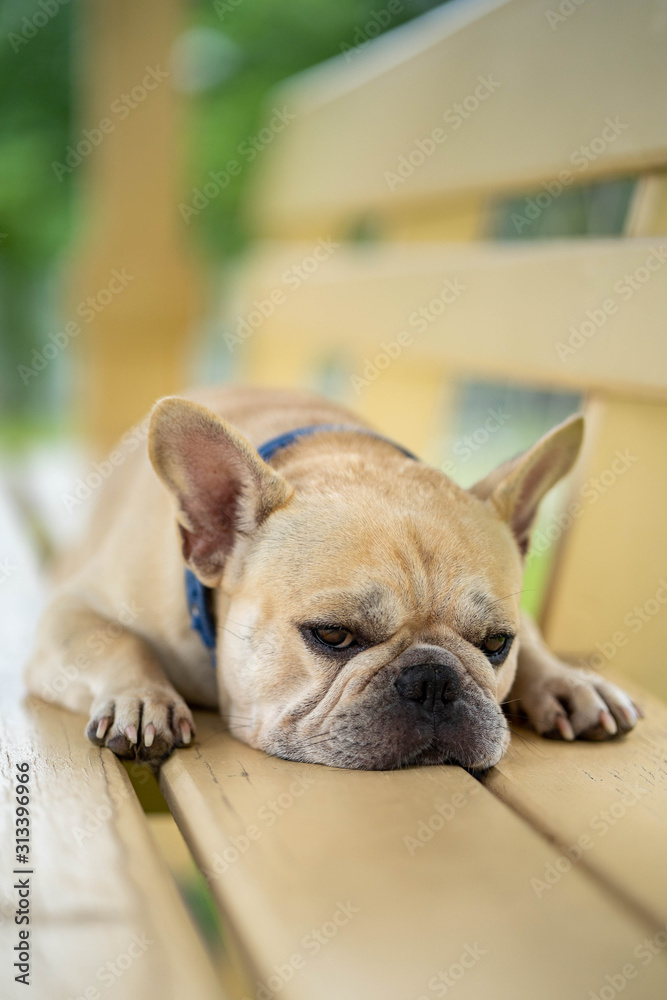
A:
379, 199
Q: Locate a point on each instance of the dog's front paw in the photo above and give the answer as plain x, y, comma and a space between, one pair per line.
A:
567, 703
145, 725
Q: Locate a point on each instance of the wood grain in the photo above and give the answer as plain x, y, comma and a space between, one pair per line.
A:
105, 914
511, 312
555, 85
612, 794
290, 848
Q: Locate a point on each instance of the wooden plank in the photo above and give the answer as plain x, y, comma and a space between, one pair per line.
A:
343, 154
648, 210
462, 219
267, 361
321, 874
596, 609
608, 800
425, 396
608, 601
565, 313
105, 916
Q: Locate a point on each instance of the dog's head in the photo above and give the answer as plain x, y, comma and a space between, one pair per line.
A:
368, 608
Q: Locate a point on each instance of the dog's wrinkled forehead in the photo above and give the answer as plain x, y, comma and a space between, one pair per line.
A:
380, 556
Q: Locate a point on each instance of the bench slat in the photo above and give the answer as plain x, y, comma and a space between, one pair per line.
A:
312, 869
105, 915
512, 311
363, 140
612, 794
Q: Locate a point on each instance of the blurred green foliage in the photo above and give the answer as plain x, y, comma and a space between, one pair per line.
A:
269, 42
35, 120
234, 51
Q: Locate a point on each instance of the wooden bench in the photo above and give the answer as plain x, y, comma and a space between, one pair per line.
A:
551, 868
375, 885
105, 917
547, 878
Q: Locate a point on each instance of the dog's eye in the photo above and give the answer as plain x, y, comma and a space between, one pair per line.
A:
337, 638
496, 647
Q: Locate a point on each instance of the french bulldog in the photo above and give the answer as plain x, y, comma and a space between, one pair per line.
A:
362, 609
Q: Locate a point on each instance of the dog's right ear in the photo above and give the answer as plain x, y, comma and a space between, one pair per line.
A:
220, 486
516, 488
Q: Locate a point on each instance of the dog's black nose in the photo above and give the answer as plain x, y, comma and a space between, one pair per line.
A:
428, 684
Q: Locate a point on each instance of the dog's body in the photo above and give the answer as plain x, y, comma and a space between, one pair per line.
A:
367, 608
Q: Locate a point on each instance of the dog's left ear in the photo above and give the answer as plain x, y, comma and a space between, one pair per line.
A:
220, 486
516, 488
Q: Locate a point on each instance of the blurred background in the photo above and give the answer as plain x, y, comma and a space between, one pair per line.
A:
78, 202
240, 190
246, 190
131, 139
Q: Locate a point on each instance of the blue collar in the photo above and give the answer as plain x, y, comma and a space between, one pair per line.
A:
200, 597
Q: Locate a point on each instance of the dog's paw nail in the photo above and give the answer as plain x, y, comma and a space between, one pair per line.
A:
186, 733
641, 714
102, 727
608, 724
564, 728
149, 735
628, 715
131, 733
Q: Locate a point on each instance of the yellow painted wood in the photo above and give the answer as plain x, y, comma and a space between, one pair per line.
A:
105, 912
134, 345
343, 155
105, 916
648, 211
277, 357
612, 559
460, 219
409, 401
182, 866
556, 313
603, 607
312, 867
612, 795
